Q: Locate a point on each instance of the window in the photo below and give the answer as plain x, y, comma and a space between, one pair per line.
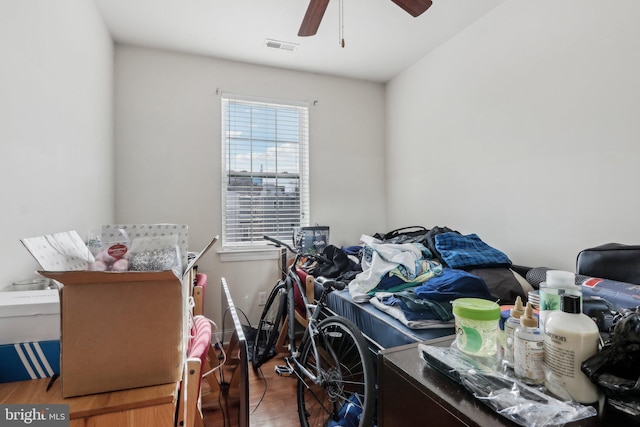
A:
265, 183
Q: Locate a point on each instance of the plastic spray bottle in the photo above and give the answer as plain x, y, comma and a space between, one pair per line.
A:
528, 349
557, 284
510, 326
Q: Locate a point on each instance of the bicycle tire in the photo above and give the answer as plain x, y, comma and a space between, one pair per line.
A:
348, 377
269, 326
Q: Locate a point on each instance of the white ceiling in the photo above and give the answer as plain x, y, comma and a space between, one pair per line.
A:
381, 39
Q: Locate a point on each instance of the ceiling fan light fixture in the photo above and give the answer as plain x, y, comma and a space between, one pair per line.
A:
277, 44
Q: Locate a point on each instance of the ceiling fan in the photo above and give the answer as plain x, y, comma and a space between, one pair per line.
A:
316, 9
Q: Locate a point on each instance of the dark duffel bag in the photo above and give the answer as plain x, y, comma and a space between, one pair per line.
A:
612, 261
411, 234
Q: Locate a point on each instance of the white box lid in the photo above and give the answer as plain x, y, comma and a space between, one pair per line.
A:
29, 303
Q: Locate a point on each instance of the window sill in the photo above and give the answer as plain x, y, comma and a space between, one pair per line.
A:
234, 255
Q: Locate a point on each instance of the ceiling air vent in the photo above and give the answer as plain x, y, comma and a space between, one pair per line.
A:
275, 44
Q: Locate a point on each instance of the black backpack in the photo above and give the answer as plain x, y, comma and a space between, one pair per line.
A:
337, 264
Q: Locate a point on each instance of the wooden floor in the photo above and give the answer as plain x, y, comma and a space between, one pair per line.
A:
272, 401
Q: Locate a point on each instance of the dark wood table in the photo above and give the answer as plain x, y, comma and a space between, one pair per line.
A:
412, 393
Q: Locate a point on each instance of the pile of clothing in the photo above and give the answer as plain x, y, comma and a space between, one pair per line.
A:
414, 276
415, 284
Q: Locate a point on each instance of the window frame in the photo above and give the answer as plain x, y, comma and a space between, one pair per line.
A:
227, 147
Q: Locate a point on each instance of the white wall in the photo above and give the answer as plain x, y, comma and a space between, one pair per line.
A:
168, 166
524, 129
56, 121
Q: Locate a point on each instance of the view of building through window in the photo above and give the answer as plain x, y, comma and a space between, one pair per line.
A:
265, 167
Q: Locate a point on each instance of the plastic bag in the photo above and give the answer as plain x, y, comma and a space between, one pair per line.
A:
155, 254
526, 406
111, 251
616, 368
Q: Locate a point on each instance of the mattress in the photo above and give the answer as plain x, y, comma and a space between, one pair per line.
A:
382, 330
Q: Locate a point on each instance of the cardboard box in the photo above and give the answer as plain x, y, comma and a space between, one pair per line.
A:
29, 361
27, 316
119, 330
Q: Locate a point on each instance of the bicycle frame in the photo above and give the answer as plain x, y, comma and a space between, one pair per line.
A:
312, 312
331, 360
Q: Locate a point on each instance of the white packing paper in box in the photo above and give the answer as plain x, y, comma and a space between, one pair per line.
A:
60, 251
29, 316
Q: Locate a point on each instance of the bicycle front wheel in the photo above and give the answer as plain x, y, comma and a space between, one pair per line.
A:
344, 394
269, 326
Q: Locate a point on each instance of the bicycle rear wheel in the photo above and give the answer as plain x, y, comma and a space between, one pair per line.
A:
269, 326
345, 394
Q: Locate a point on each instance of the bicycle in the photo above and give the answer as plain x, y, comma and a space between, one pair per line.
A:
332, 363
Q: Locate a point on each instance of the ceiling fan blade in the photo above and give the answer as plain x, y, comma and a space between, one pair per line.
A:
313, 17
414, 7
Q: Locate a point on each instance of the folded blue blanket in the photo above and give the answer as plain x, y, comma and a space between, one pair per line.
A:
415, 308
452, 284
459, 251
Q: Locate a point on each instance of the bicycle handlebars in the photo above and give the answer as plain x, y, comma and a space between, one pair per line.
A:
323, 281
280, 243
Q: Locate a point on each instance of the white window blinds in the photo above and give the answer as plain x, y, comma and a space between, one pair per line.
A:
265, 183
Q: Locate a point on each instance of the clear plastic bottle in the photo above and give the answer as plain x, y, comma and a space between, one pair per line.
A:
557, 284
510, 326
570, 338
528, 349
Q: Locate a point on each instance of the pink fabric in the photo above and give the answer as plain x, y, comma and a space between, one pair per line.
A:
201, 338
200, 341
201, 280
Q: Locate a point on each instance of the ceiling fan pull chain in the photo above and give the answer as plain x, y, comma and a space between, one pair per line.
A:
341, 24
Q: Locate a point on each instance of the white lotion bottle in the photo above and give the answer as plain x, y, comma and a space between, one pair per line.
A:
570, 338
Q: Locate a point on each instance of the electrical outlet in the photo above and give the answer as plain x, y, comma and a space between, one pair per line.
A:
262, 298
